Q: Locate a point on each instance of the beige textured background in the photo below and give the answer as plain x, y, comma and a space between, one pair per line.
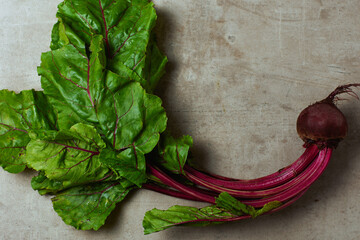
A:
240, 71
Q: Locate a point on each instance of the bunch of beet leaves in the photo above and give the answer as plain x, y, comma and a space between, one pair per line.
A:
89, 130
96, 131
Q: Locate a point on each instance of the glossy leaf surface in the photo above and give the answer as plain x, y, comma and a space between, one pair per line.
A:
20, 113
71, 157
87, 207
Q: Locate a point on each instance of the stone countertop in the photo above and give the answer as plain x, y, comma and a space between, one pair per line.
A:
239, 73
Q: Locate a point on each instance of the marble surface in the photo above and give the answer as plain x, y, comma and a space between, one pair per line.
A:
239, 73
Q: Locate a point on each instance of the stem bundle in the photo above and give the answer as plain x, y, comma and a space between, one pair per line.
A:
285, 185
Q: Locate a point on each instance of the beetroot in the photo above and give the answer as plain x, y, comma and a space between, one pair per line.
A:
322, 123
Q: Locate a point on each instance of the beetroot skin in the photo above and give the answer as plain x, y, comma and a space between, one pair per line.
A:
322, 123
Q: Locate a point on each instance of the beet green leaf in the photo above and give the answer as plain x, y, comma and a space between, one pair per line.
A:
227, 208
71, 157
154, 69
129, 164
74, 80
174, 152
90, 129
131, 121
157, 220
126, 29
236, 207
128, 116
20, 113
45, 185
87, 207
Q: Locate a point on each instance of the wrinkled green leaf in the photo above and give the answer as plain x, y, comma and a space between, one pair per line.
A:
126, 29
19, 113
157, 220
227, 208
267, 208
174, 152
129, 116
228, 202
67, 117
154, 123
234, 206
74, 80
71, 157
103, 63
129, 164
154, 66
45, 185
87, 207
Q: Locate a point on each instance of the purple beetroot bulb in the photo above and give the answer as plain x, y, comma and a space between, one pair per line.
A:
322, 123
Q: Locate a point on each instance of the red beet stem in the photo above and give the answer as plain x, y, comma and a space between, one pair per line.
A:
165, 179
310, 175
259, 193
272, 180
322, 161
299, 185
